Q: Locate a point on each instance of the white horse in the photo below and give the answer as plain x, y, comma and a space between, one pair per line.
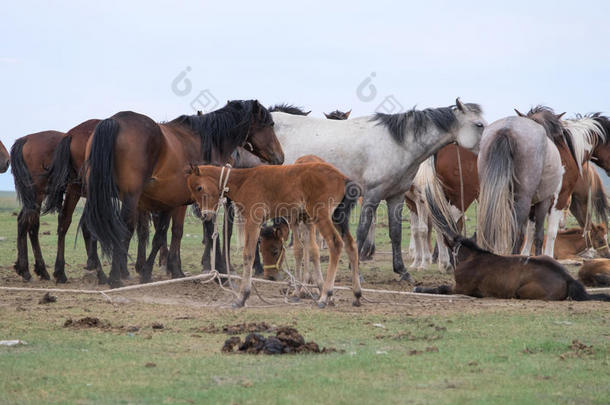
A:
382, 153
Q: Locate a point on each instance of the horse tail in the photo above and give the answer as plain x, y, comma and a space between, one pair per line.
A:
59, 176
577, 292
496, 225
440, 212
24, 185
102, 209
341, 214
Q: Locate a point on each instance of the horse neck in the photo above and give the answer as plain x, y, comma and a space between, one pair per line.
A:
428, 144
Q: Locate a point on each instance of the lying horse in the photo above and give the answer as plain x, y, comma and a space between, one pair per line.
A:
572, 242
315, 193
595, 273
480, 273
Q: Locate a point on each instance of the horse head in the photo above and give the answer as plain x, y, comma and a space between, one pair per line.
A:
470, 124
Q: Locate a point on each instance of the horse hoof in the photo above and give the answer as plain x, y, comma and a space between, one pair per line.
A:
178, 275
294, 299
356, 302
237, 304
115, 283
145, 278
406, 277
41, 271
101, 278
417, 290
90, 266
321, 304
60, 278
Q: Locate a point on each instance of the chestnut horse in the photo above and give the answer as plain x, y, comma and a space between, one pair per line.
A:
573, 242
5, 158
595, 273
312, 192
140, 163
579, 203
480, 273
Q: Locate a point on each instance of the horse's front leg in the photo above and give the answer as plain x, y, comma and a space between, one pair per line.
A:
395, 219
174, 264
369, 209
252, 231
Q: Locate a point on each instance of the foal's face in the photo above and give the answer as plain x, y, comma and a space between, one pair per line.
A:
204, 191
599, 240
470, 126
272, 246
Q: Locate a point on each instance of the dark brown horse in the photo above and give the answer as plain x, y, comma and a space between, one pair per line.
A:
480, 273
135, 163
5, 158
314, 192
595, 273
31, 156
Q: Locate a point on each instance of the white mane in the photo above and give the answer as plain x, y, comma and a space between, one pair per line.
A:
586, 133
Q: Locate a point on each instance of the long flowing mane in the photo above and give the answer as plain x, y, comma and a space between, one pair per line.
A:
419, 122
585, 133
226, 128
288, 109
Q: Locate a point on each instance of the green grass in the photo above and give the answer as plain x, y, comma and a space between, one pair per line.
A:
481, 357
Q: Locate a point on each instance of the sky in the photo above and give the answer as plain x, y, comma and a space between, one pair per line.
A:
64, 62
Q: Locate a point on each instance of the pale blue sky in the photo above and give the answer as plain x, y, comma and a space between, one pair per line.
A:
64, 62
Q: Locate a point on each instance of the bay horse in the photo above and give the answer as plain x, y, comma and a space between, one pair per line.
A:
312, 192
5, 158
382, 153
575, 241
481, 273
140, 163
595, 273
519, 167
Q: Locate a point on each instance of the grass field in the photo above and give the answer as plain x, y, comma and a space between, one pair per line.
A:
400, 350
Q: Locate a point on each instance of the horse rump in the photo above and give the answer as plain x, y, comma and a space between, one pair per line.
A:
102, 212
24, 185
341, 214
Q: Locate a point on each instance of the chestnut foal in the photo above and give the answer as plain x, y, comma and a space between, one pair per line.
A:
314, 192
480, 273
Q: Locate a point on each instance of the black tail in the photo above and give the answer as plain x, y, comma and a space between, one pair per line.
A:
59, 176
102, 213
577, 292
341, 214
24, 185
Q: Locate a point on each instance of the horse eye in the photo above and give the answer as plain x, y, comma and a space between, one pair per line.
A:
479, 124
199, 188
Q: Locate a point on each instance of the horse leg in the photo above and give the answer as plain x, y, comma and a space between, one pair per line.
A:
93, 260
298, 247
208, 231
143, 234
258, 265
23, 224
163, 251
63, 223
415, 240
352, 254
395, 219
369, 208
40, 267
553, 227
228, 233
159, 240
314, 254
529, 238
252, 231
174, 264
522, 210
368, 249
335, 244
119, 253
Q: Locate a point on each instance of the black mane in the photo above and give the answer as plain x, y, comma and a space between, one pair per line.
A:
418, 121
336, 115
226, 128
288, 109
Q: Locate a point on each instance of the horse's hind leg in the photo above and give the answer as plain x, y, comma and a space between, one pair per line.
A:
552, 229
395, 218
40, 267
159, 240
93, 260
352, 253
143, 235
335, 244
368, 248
63, 223
23, 223
522, 210
526, 250
369, 208
119, 255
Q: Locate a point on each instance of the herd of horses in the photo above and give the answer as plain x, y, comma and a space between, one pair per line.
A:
307, 174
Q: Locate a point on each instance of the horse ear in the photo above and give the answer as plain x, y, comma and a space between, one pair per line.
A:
347, 114
459, 105
519, 113
199, 112
560, 115
327, 115
308, 112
